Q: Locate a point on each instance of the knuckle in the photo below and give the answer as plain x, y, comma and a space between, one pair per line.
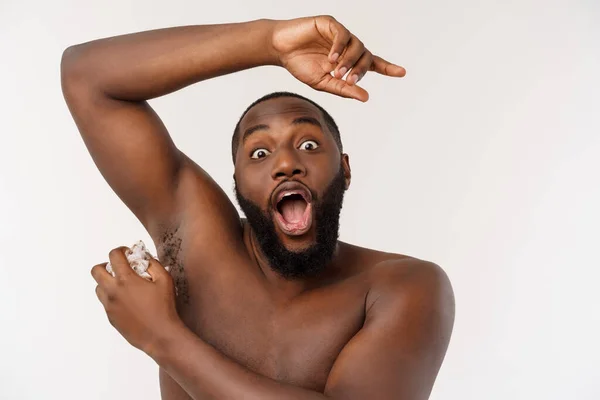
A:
111, 296
359, 72
115, 251
99, 266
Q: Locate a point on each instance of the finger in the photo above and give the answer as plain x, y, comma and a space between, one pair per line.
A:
342, 88
101, 275
354, 51
157, 271
341, 36
101, 294
384, 67
360, 68
119, 262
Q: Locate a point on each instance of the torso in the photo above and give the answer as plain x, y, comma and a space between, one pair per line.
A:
230, 306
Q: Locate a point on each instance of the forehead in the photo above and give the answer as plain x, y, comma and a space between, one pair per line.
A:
280, 110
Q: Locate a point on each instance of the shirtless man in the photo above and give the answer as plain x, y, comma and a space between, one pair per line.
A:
272, 307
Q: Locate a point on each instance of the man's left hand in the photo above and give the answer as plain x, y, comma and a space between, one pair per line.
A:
141, 310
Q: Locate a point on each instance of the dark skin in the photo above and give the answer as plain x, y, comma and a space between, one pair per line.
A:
372, 325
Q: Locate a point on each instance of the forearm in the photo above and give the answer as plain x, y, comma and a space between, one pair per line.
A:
202, 371
144, 65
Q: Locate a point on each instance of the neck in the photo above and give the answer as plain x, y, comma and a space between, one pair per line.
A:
285, 289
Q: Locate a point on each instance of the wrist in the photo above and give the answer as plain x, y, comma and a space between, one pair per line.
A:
271, 54
161, 343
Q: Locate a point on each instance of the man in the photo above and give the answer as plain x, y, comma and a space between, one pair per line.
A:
272, 307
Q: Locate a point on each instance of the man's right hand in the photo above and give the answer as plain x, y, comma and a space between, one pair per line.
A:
307, 48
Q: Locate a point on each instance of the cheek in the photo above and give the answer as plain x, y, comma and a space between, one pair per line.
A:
318, 179
327, 163
324, 169
336, 164
251, 184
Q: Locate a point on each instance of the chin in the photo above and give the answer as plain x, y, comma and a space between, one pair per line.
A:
298, 244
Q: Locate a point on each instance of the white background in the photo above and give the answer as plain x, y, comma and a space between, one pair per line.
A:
485, 159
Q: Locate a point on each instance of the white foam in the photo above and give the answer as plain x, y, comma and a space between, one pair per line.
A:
139, 260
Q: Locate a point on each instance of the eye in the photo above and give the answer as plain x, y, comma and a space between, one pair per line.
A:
260, 153
309, 145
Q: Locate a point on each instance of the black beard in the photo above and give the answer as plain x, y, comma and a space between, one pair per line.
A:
308, 262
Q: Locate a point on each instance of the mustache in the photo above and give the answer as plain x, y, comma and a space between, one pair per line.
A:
316, 198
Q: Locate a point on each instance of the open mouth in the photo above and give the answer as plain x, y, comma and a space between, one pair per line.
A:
293, 210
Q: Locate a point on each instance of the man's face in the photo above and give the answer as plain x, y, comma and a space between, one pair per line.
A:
290, 179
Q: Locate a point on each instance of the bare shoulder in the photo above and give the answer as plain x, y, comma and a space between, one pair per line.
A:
408, 322
402, 277
414, 292
391, 269
405, 271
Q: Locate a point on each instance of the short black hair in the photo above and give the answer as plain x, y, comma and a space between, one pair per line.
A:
331, 125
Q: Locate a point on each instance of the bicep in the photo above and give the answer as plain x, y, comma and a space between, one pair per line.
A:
398, 352
131, 148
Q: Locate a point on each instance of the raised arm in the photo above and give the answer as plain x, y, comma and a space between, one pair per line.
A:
106, 84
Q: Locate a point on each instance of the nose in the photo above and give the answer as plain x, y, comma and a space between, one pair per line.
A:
287, 164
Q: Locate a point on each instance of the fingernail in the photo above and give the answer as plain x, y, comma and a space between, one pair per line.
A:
334, 57
354, 78
343, 71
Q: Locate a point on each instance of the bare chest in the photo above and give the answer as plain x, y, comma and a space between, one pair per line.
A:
296, 343
227, 304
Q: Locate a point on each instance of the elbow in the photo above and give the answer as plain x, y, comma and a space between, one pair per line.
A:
70, 65
76, 73
70, 73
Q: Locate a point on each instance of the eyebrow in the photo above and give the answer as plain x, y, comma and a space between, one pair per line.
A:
297, 121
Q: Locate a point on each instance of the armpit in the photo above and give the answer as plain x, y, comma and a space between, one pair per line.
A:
169, 252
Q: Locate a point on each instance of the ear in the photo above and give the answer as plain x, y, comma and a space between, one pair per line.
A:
346, 166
